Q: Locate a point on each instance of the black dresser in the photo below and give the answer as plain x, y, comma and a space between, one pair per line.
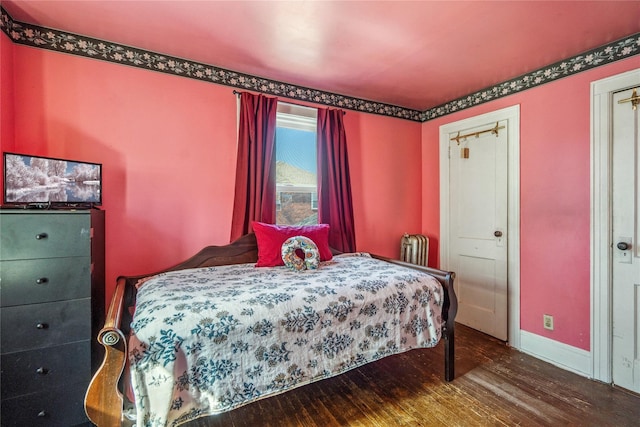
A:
51, 309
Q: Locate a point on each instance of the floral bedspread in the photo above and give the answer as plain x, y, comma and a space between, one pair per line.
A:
208, 340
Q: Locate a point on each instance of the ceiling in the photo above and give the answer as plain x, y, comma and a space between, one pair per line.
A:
413, 54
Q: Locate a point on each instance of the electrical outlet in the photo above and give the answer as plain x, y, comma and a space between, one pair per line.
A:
547, 321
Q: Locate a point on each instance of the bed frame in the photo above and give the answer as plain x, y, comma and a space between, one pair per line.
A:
104, 402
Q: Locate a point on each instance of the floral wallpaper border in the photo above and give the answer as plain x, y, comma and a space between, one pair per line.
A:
617, 50
60, 41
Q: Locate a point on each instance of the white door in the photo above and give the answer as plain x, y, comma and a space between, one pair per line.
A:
477, 232
625, 238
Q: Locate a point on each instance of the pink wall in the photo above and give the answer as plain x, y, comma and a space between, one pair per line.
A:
6, 95
554, 199
168, 148
385, 178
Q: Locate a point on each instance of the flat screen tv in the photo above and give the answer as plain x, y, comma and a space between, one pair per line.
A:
48, 182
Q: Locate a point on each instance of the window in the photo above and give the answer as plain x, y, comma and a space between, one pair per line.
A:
296, 165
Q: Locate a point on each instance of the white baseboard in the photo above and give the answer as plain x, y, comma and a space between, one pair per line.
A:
562, 355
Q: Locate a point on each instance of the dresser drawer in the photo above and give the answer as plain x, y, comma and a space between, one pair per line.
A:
60, 407
27, 327
28, 236
33, 371
44, 280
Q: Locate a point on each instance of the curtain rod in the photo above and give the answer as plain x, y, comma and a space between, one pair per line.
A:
494, 130
236, 93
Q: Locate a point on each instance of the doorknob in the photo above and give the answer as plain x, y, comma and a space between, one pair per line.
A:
497, 233
623, 246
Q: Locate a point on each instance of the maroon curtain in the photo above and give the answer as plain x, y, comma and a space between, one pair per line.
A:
256, 167
334, 186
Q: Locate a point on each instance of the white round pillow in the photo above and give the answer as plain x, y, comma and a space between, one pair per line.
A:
308, 247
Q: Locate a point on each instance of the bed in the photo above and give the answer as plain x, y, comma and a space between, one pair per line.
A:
188, 347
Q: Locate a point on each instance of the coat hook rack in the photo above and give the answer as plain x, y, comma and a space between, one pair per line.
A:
494, 130
634, 99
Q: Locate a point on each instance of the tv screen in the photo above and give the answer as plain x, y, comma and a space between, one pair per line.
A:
36, 180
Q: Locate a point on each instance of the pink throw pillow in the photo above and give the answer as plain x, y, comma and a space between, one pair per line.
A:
270, 238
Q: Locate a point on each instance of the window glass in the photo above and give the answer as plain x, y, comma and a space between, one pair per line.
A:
296, 165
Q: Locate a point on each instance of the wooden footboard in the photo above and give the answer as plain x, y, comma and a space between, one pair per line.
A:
104, 399
104, 402
449, 310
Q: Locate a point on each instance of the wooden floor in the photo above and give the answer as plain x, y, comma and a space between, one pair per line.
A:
494, 386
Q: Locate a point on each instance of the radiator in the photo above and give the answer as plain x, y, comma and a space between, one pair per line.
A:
414, 248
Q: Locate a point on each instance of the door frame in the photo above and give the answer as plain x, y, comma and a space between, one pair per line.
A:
601, 220
512, 115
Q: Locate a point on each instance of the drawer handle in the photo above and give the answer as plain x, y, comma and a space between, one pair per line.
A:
42, 371
42, 414
42, 325
41, 236
42, 280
